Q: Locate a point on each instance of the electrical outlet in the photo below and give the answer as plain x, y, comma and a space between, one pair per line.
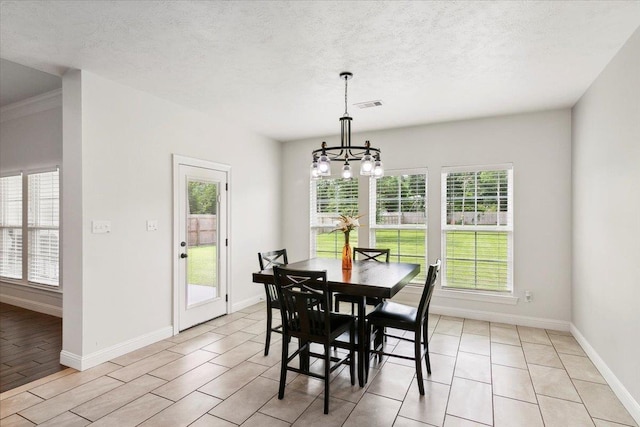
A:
152, 225
100, 226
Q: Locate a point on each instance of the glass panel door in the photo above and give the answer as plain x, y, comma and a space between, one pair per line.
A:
202, 241
201, 259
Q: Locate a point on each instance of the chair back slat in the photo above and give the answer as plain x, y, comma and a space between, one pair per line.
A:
372, 254
427, 292
272, 294
303, 311
269, 259
304, 299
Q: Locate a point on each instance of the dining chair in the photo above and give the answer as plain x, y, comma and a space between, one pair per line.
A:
390, 314
306, 315
365, 254
268, 260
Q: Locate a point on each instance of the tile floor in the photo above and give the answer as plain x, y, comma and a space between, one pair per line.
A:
215, 374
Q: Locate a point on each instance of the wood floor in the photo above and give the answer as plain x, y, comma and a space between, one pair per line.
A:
30, 345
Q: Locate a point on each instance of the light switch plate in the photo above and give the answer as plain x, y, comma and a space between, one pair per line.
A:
152, 225
100, 226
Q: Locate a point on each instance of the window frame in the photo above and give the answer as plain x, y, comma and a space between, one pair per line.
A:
315, 229
20, 226
507, 228
27, 228
373, 226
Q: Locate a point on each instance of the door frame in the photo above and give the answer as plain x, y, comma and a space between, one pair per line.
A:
205, 164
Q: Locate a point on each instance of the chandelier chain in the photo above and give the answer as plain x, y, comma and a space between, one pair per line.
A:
346, 80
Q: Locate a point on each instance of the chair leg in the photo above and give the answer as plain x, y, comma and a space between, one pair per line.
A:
418, 357
352, 356
327, 370
367, 351
283, 366
425, 335
267, 341
378, 341
303, 356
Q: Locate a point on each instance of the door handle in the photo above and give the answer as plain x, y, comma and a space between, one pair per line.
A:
183, 255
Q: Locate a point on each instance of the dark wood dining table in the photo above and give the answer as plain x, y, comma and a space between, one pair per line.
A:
365, 279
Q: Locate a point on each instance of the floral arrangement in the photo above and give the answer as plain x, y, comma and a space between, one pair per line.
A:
347, 223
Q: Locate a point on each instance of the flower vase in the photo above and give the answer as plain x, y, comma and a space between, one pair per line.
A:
347, 255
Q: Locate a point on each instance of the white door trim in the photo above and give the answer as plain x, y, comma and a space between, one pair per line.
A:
190, 161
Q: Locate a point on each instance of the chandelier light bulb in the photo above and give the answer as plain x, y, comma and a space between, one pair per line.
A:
315, 173
366, 164
346, 171
378, 169
324, 165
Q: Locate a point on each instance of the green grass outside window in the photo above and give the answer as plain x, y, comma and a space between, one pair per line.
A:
202, 265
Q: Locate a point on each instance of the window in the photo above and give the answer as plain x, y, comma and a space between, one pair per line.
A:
43, 227
329, 199
399, 200
11, 227
477, 228
40, 232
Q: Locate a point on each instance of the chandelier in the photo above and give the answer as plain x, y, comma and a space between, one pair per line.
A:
369, 157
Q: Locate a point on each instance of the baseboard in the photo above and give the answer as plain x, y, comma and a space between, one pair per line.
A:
71, 360
411, 296
246, 303
490, 316
40, 307
85, 362
616, 385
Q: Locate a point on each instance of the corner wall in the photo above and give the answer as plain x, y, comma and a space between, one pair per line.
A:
123, 284
31, 139
538, 145
606, 222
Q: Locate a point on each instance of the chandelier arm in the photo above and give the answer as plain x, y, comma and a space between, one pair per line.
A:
354, 152
353, 147
341, 149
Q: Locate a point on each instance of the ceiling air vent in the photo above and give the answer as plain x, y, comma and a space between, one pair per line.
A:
368, 104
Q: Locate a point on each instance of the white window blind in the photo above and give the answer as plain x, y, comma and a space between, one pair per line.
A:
43, 227
329, 199
11, 226
477, 228
399, 200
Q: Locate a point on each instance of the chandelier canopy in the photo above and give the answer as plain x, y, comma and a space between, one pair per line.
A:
369, 157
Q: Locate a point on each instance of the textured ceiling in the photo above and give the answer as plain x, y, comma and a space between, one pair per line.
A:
273, 66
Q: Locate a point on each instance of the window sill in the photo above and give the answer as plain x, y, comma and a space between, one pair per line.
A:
476, 296
21, 285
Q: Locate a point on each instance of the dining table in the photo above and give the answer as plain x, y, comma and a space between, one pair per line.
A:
364, 279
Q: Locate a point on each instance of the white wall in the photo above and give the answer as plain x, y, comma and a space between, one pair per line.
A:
31, 138
606, 218
71, 213
124, 283
538, 145
31, 133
